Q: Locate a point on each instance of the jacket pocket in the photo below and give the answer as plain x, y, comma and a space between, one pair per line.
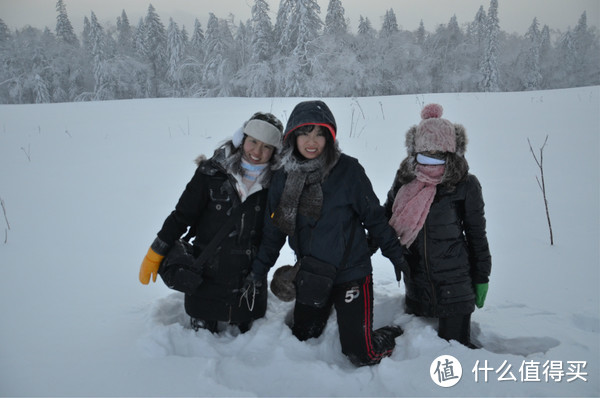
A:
456, 292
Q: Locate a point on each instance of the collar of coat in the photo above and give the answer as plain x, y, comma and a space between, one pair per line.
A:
227, 160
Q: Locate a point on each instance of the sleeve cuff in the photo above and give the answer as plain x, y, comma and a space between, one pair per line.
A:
160, 247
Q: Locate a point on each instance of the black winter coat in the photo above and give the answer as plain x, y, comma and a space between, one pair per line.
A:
450, 253
205, 206
348, 200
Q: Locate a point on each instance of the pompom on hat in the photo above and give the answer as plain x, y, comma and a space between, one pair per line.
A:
435, 133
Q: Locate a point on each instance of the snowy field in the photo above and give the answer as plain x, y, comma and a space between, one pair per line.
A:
86, 186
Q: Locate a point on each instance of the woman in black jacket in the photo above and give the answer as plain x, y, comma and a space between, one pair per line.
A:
236, 176
437, 210
323, 201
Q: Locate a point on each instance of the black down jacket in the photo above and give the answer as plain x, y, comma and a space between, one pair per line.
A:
348, 202
205, 206
450, 253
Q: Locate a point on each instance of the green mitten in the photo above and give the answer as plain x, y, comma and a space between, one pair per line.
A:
481, 290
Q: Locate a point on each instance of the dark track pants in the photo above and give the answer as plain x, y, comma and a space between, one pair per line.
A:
353, 302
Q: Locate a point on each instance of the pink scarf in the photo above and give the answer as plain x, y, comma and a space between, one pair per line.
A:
413, 201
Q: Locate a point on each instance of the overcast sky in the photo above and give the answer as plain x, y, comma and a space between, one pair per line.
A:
515, 15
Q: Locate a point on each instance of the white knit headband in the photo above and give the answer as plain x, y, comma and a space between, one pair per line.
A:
263, 131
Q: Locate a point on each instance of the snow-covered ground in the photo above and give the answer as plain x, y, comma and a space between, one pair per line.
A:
86, 186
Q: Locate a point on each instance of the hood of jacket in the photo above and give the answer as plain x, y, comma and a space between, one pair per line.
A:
311, 112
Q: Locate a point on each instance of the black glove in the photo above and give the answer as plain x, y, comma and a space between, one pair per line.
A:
401, 266
249, 290
251, 281
373, 247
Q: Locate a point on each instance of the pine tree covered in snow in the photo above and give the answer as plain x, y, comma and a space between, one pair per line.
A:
420, 34
153, 46
124, 34
365, 28
476, 30
489, 63
4, 32
175, 48
97, 41
64, 29
335, 20
197, 40
533, 77
257, 78
286, 26
263, 35
301, 35
243, 45
390, 24
218, 76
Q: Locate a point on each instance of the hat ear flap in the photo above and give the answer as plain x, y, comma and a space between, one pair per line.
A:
410, 140
461, 139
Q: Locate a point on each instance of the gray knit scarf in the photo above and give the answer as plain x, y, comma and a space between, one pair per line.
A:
302, 193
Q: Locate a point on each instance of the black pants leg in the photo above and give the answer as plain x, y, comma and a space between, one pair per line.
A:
310, 321
354, 306
456, 328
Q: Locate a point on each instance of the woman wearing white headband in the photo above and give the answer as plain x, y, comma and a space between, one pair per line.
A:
232, 181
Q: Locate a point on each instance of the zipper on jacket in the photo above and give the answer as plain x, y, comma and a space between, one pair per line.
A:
427, 263
242, 226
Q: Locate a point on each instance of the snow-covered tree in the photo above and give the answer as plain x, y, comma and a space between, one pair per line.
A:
420, 34
533, 76
85, 35
197, 40
174, 54
305, 26
365, 28
97, 40
218, 76
139, 37
256, 78
40, 90
283, 35
154, 48
64, 29
476, 30
448, 55
587, 51
335, 67
124, 34
4, 32
568, 53
262, 32
243, 45
335, 20
489, 63
390, 24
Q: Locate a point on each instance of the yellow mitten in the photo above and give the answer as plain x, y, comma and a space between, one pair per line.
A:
150, 266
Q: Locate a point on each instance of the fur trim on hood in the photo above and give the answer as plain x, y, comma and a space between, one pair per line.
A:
228, 159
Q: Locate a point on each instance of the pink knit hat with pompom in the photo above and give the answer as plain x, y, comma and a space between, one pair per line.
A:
434, 133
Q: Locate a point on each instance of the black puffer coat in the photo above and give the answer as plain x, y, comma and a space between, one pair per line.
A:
205, 206
450, 253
